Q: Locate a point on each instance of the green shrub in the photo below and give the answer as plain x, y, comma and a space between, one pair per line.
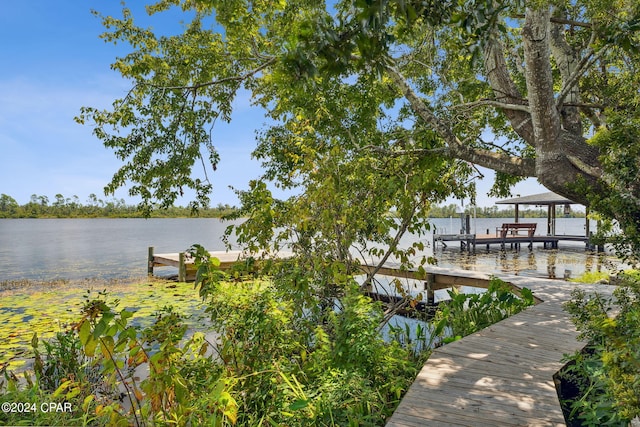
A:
338, 373
274, 362
465, 314
608, 372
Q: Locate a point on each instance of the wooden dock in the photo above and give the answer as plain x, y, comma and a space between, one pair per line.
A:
502, 375
435, 279
471, 241
186, 264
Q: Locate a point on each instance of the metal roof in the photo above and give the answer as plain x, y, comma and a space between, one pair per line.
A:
545, 199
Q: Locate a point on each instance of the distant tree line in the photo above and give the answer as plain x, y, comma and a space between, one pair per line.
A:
94, 207
493, 212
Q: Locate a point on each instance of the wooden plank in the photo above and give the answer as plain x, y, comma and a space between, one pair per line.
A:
483, 381
501, 375
441, 281
491, 396
227, 259
444, 407
492, 404
409, 420
512, 409
502, 349
508, 239
428, 418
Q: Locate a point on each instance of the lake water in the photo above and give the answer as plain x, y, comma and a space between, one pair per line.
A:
47, 249
77, 249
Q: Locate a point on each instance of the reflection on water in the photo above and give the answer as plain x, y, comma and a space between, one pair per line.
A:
45, 249
568, 261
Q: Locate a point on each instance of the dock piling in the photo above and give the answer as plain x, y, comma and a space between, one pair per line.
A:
182, 268
150, 261
428, 286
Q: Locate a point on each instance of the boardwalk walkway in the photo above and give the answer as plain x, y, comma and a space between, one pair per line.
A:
502, 375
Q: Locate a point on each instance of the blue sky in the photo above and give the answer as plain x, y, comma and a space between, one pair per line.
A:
53, 63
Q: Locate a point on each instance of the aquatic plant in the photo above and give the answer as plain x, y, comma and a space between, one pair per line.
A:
465, 314
50, 308
592, 277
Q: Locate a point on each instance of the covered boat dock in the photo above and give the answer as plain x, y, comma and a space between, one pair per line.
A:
516, 233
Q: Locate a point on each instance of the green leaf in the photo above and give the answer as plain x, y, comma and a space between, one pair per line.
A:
298, 404
84, 332
90, 346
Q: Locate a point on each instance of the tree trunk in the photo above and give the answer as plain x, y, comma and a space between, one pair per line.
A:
554, 143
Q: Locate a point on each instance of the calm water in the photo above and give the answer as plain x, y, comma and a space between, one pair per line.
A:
45, 249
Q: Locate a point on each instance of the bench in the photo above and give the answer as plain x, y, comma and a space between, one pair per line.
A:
513, 229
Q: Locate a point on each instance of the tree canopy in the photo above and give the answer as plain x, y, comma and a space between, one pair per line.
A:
383, 105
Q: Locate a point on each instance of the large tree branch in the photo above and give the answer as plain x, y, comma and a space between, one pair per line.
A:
497, 161
493, 103
407, 152
566, 59
544, 115
590, 170
571, 82
506, 91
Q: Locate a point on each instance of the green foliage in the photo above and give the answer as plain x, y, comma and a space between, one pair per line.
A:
67, 410
94, 207
592, 277
620, 153
111, 373
607, 374
63, 359
49, 308
293, 370
465, 314
180, 371
8, 206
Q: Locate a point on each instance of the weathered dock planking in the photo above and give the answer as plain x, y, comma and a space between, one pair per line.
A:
434, 279
469, 242
437, 278
185, 264
502, 375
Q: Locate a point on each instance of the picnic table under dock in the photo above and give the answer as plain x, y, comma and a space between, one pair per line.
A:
509, 234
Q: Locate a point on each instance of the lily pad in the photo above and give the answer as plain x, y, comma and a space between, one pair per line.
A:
47, 310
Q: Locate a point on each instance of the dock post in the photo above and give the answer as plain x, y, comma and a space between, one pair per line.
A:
150, 262
428, 286
182, 268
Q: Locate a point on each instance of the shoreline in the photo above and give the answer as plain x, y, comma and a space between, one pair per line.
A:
39, 284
